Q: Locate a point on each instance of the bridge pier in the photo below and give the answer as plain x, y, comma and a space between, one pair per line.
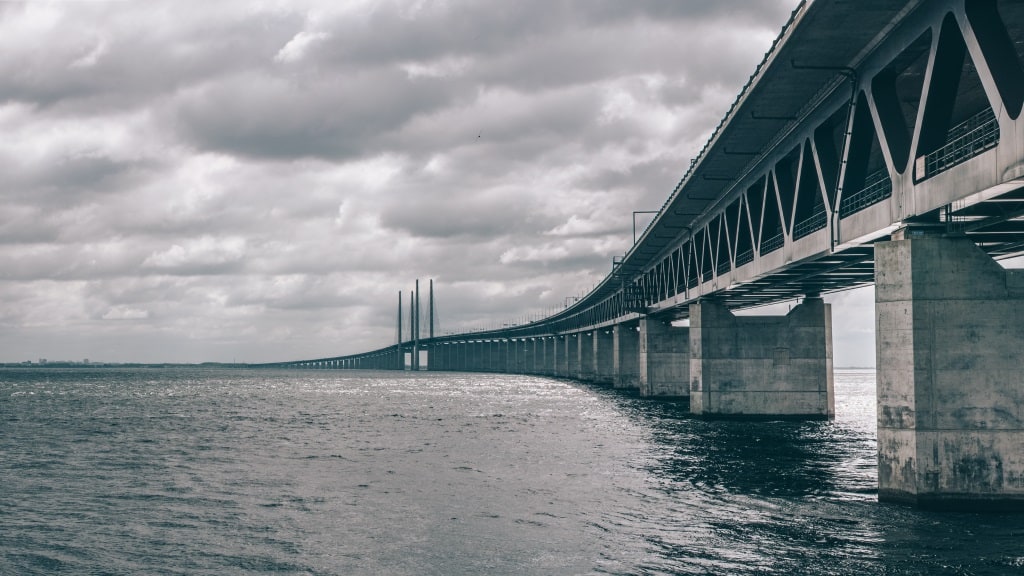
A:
625, 356
949, 376
498, 356
664, 359
585, 349
495, 355
520, 355
474, 356
603, 357
549, 356
762, 365
537, 345
572, 355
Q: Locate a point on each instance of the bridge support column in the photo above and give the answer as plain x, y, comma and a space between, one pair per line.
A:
536, 365
549, 356
540, 352
519, 355
564, 364
572, 355
950, 330
585, 348
474, 356
664, 359
603, 356
625, 356
756, 366
516, 356
443, 356
465, 356
495, 353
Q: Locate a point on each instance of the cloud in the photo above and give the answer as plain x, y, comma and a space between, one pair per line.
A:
189, 182
123, 313
203, 255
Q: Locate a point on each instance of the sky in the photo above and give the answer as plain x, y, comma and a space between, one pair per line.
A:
255, 181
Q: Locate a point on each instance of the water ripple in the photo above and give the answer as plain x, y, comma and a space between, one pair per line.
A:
203, 471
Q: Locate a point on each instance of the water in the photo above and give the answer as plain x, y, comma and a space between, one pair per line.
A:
191, 471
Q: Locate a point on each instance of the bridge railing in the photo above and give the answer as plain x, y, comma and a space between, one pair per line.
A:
773, 243
815, 222
963, 142
877, 187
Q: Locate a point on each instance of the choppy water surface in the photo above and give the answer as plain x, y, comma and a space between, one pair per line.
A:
189, 471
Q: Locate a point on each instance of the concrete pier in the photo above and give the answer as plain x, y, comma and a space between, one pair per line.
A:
950, 332
761, 366
561, 357
625, 356
572, 355
585, 343
547, 366
664, 361
603, 357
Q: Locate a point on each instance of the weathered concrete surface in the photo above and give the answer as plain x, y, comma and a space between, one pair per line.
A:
950, 338
626, 356
664, 359
604, 357
756, 366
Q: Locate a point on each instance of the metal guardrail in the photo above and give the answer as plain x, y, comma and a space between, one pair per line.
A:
692, 281
724, 266
877, 187
815, 222
773, 243
745, 257
963, 142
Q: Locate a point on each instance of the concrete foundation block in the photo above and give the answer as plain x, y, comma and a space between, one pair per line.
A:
762, 366
664, 363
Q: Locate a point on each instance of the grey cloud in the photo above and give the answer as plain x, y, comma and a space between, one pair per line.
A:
333, 118
98, 60
204, 182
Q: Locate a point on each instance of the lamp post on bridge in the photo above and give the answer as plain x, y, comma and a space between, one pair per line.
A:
635, 212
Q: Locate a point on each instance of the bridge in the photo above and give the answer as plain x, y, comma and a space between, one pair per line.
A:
877, 142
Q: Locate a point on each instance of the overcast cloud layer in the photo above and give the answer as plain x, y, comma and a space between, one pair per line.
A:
256, 181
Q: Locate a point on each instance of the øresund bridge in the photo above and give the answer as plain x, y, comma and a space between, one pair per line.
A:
879, 142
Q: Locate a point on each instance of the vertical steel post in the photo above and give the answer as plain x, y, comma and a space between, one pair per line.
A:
398, 346
416, 330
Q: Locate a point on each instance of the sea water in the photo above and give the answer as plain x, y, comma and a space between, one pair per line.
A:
222, 471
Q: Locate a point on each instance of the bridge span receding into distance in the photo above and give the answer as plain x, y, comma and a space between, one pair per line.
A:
878, 142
